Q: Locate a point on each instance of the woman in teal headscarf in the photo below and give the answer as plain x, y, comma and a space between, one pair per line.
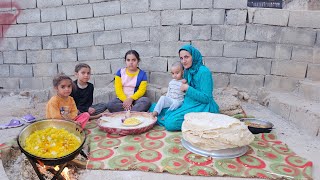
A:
198, 90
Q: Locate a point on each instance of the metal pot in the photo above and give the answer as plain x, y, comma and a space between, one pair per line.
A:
267, 126
70, 126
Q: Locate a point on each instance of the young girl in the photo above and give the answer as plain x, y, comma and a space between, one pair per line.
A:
130, 85
62, 105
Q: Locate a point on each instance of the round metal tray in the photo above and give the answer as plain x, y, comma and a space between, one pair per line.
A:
216, 154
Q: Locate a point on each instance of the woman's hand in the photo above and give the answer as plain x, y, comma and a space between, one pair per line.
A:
127, 104
184, 87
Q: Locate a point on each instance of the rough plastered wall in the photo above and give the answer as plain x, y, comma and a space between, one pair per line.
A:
244, 48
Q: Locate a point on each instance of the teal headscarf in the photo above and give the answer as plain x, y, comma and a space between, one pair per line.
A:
196, 62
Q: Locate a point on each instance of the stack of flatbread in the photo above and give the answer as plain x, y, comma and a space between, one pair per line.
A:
209, 131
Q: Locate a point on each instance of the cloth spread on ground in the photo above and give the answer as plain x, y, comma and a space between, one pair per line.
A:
159, 150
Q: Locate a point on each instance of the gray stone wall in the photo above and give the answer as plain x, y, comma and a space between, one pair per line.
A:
243, 47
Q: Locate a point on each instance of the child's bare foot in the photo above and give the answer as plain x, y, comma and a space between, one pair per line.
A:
154, 114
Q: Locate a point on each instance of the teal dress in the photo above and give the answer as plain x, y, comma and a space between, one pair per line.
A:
198, 97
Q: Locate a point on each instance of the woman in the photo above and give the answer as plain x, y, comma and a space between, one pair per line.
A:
130, 85
198, 90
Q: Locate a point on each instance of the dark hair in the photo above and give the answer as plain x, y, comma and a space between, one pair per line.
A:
135, 53
58, 78
81, 65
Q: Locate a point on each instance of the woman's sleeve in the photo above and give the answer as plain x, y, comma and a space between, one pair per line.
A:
118, 88
141, 90
203, 93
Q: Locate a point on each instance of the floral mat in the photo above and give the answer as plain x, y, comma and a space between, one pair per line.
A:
161, 151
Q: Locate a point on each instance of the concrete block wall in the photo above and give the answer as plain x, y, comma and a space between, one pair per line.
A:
243, 47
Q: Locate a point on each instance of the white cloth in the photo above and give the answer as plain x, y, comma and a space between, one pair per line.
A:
174, 91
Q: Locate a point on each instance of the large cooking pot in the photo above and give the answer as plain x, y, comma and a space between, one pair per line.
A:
70, 126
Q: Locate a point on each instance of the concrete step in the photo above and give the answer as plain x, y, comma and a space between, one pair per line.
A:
310, 90
304, 113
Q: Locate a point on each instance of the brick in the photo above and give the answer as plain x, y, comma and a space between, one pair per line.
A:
53, 14
62, 55
170, 48
160, 78
14, 57
254, 66
41, 56
302, 53
313, 72
304, 19
318, 38
27, 4
103, 80
148, 64
220, 80
316, 55
55, 42
164, 33
31, 83
271, 17
195, 33
208, 16
218, 32
72, 2
106, 8
283, 51
67, 68
135, 34
153, 48
1, 58
175, 17
266, 50
21, 71
230, 4
116, 50
4, 71
289, 68
9, 83
15, 30
90, 53
146, 19
117, 22
79, 11
221, 64
236, 17
80, 40
298, 36
263, 33
116, 65
310, 90
94, 1
38, 29
107, 37
235, 33
191, 4
25, 43
209, 48
133, 6
45, 3
100, 67
240, 49
280, 83
164, 4
63, 27
90, 24
29, 16
8, 44
250, 83
45, 70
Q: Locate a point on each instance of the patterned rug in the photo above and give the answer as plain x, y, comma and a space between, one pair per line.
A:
161, 151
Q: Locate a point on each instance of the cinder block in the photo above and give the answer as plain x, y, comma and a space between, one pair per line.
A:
9, 83
230, 4
116, 65
63, 55
254, 66
164, 4
41, 56
249, 83
236, 17
153, 48
318, 38
148, 64
25, 43
172, 60
220, 80
53, 14
45, 3
80, 40
175, 17
55, 42
79, 11
316, 55
116, 50
280, 83
278, 17
266, 50
100, 67
304, 19
14, 57
164, 33
29, 16
38, 29
305, 119
8, 44
90, 24
1, 58
27, 4
133, 6
209, 48
191, 4
15, 30
135, 34
263, 33
63, 27
313, 72
310, 90
289, 68
21, 70
31, 83
160, 78
107, 37
283, 51
106, 8
208, 16
195, 33
218, 32
235, 33
171, 48
67, 68
221, 64
72, 2
298, 36
103, 80
146, 19
240, 49
45, 70
4, 71
90, 53
117, 22
278, 107
302, 53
